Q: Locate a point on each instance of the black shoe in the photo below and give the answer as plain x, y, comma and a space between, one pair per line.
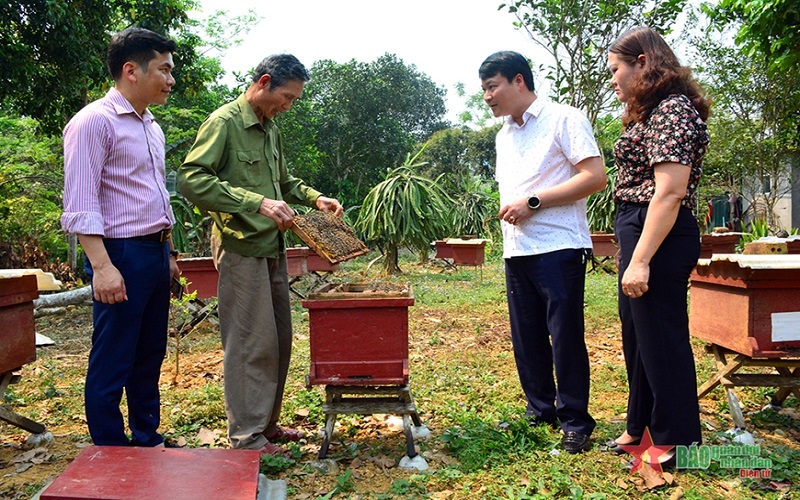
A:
575, 442
614, 447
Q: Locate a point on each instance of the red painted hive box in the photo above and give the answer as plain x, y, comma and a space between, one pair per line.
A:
358, 335
443, 250
749, 304
18, 333
297, 261
201, 275
467, 252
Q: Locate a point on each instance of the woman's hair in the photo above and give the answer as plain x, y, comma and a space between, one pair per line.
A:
661, 76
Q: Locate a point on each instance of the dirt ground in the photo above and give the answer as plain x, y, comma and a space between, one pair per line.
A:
23, 471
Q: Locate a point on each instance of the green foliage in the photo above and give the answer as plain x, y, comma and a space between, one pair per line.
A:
769, 29
477, 204
355, 120
53, 52
344, 484
272, 465
754, 127
460, 153
31, 184
477, 443
576, 34
600, 207
204, 406
404, 210
477, 113
411, 487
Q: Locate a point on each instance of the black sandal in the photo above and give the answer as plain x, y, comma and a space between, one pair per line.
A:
614, 447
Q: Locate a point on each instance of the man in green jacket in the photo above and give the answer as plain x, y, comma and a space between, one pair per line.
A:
236, 170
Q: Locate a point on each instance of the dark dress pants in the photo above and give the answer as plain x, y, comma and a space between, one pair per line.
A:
545, 300
655, 332
128, 346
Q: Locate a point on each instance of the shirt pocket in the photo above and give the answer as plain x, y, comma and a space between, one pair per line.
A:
252, 167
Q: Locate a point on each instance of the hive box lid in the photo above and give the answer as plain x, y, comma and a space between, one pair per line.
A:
127, 472
754, 261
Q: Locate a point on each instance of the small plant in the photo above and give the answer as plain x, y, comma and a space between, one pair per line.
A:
477, 443
271, 465
344, 483
406, 209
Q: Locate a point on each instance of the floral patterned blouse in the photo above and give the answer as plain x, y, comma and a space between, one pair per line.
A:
674, 132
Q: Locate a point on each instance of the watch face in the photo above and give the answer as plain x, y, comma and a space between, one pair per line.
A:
534, 202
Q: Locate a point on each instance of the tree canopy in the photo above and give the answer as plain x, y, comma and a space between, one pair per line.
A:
356, 120
768, 27
577, 34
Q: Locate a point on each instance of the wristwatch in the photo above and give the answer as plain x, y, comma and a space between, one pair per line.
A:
174, 253
534, 202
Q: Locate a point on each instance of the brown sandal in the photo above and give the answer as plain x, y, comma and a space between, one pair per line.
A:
285, 434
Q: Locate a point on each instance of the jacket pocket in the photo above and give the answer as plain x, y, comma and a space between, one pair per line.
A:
252, 167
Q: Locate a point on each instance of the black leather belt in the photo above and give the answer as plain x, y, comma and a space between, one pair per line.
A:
158, 237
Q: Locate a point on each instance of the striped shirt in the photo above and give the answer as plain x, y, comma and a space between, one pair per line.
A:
114, 171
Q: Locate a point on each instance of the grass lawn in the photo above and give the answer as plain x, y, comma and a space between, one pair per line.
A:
465, 386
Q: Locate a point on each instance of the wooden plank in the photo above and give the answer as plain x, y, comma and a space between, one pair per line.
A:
20, 421
756, 380
367, 406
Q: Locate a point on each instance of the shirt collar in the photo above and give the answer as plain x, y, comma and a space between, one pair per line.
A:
249, 118
123, 107
533, 111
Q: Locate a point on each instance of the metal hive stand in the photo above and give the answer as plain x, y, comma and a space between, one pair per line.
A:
364, 400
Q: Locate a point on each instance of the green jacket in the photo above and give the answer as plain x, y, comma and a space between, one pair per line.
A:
233, 164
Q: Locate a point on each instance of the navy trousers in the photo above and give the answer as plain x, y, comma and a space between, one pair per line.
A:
545, 300
655, 332
128, 346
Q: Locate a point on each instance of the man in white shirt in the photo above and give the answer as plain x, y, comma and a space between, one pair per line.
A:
548, 163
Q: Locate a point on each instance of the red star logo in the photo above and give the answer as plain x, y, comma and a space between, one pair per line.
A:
646, 451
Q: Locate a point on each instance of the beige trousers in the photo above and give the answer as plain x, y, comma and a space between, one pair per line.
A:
256, 326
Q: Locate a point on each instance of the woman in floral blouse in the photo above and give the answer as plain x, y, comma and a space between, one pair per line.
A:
659, 158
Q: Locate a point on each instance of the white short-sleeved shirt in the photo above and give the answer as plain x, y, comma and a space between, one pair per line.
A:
539, 154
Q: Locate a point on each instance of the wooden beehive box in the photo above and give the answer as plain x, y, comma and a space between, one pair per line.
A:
749, 304
201, 274
297, 261
18, 333
358, 335
604, 245
467, 252
714, 243
443, 250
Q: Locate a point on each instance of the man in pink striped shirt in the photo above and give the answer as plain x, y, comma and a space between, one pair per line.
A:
116, 201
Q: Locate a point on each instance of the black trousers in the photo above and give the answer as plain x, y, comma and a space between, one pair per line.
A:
545, 300
655, 332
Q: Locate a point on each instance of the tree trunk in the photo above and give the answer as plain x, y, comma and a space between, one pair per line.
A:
390, 264
62, 299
